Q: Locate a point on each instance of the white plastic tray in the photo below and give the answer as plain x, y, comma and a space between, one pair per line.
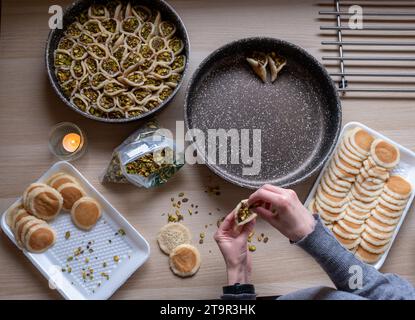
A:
405, 168
132, 249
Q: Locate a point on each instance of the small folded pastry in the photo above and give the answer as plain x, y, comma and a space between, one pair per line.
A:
136, 111
79, 52
110, 25
176, 45
130, 25
141, 12
155, 18
45, 202
131, 60
132, 41
70, 192
141, 95
152, 103
106, 103
90, 94
63, 58
164, 57
84, 82
167, 29
157, 43
85, 38
120, 53
78, 70
243, 214
258, 62
91, 65
164, 92
146, 65
146, 31
113, 87
178, 63
93, 27
103, 38
66, 43
125, 101
152, 83
63, 75
97, 11
69, 87
162, 71
98, 81
39, 238
134, 79
172, 235
184, 260
85, 213
117, 113
276, 63
98, 51
80, 102
74, 30
174, 80
116, 40
146, 51
110, 67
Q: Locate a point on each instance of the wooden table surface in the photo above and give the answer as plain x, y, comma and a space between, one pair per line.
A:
29, 108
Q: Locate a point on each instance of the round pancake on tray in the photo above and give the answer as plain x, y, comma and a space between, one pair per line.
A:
361, 140
61, 178
85, 213
39, 238
398, 187
366, 256
44, 202
71, 192
384, 154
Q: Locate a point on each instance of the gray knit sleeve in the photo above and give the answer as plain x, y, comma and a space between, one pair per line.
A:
340, 265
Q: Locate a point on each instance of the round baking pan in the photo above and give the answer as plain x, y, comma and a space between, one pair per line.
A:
299, 114
73, 10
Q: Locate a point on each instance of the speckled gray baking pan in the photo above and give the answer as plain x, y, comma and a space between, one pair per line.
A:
299, 114
70, 13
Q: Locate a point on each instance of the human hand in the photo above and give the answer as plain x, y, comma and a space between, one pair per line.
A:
232, 242
283, 210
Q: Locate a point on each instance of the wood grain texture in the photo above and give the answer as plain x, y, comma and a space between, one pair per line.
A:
30, 107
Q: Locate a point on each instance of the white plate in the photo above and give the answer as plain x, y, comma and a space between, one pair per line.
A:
132, 249
405, 168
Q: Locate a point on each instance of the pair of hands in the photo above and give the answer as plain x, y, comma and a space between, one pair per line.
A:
279, 207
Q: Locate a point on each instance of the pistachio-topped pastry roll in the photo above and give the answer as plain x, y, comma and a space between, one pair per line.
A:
91, 65
178, 63
93, 27
130, 25
97, 11
98, 80
176, 45
120, 52
164, 92
135, 79
74, 30
146, 65
66, 43
164, 57
131, 60
79, 52
141, 12
276, 63
85, 38
146, 51
146, 31
106, 102
157, 43
162, 71
111, 25
63, 74
90, 94
258, 62
110, 67
152, 103
98, 51
80, 102
125, 101
63, 58
167, 29
69, 87
132, 42
77, 69
141, 95
113, 87
134, 112
173, 80
152, 83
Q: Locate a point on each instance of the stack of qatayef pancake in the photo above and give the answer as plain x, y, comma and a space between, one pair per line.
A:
30, 232
358, 198
41, 203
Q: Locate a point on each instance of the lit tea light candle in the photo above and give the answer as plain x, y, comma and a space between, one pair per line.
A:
71, 142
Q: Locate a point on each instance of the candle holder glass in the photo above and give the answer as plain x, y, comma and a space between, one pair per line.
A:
67, 141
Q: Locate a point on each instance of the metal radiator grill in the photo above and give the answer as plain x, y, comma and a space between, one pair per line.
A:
379, 56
